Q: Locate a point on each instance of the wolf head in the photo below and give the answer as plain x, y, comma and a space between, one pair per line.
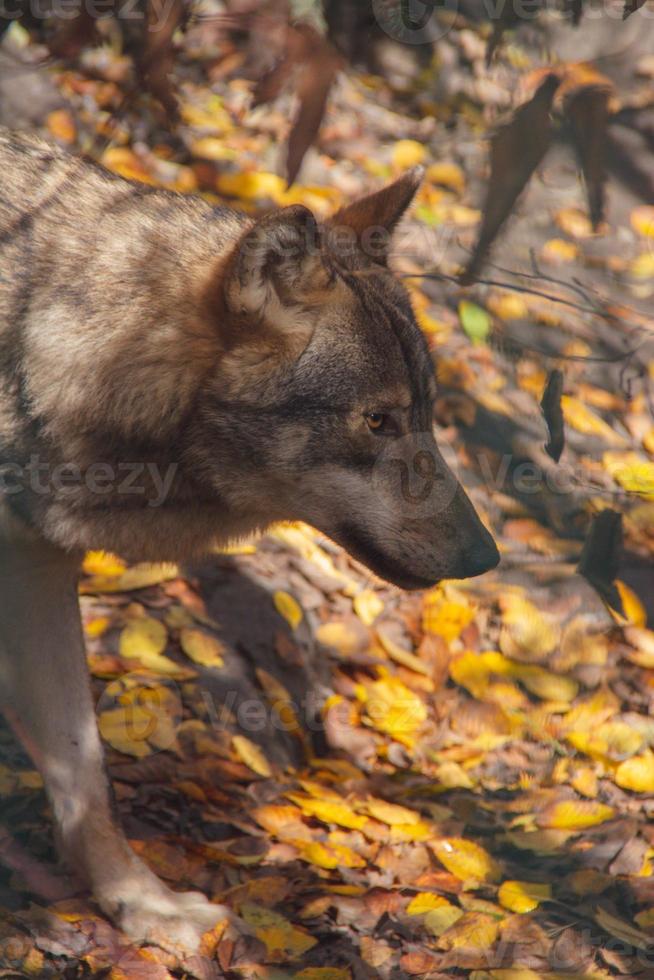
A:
322, 409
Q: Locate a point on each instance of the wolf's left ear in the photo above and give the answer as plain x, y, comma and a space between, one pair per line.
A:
276, 264
380, 210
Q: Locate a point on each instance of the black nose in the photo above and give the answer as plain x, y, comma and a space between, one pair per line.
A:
480, 557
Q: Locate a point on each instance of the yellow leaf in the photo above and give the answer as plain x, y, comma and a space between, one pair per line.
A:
507, 306
201, 648
251, 186
390, 813
103, 563
252, 755
282, 939
637, 774
408, 153
611, 741
632, 472
341, 637
527, 634
124, 161
584, 420
473, 930
282, 821
465, 859
522, 896
97, 626
642, 220
545, 685
642, 267
328, 856
144, 639
391, 707
140, 576
438, 920
289, 608
330, 811
574, 222
61, 125
447, 175
442, 617
558, 251
574, 814
401, 656
127, 730
585, 782
635, 613
425, 902
367, 606
211, 148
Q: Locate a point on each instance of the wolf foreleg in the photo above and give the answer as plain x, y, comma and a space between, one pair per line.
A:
45, 692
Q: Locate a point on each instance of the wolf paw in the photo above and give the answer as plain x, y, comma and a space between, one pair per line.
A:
176, 921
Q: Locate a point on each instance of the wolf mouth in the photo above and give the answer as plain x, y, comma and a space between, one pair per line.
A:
363, 548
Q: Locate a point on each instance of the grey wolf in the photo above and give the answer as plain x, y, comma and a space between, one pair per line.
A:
237, 372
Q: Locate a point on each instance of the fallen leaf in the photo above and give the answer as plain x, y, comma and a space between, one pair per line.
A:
289, 608
201, 648
252, 755
523, 896
465, 859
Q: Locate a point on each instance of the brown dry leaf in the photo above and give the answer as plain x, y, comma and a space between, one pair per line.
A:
551, 407
318, 64
586, 99
622, 930
517, 148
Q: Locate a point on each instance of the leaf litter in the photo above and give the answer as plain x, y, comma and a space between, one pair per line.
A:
469, 789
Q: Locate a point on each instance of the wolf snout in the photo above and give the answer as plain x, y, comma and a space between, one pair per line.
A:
480, 557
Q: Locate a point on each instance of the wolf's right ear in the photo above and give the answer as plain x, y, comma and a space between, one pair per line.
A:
276, 264
379, 211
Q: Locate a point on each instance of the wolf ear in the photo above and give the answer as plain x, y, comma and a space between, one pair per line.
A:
380, 210
276, 264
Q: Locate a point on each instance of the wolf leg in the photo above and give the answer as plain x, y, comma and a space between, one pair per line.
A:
45, 693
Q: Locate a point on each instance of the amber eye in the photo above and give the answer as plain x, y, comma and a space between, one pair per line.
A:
376, 420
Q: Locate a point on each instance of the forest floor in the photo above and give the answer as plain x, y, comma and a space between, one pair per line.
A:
456, 783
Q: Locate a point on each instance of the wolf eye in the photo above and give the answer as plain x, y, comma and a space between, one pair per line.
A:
376, 420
